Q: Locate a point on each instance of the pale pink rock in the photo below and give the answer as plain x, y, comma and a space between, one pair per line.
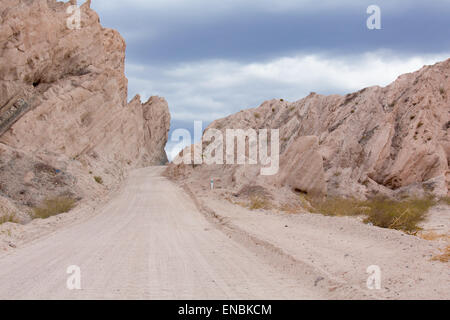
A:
72, 89
377, 141
301, 167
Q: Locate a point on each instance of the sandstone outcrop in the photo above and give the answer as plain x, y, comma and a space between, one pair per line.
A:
63, 105
301, 167
391, 141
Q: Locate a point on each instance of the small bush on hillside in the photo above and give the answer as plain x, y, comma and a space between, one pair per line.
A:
55, 206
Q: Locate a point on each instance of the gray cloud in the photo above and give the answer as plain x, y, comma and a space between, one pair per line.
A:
175, 31
211, 58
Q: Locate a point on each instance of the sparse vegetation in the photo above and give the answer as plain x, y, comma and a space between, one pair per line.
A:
401, 215
55, 206
98, 179
444, 257
431, 236
259, 203
442, 91
337, 206
257, 115
8, 218
292, 209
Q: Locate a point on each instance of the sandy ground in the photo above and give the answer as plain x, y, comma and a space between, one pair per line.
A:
157, 240
342, 248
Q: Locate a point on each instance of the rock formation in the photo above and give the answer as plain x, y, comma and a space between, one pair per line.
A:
64, 115
391, 141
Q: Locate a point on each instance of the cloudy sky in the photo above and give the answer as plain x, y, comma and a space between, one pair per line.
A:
212, 58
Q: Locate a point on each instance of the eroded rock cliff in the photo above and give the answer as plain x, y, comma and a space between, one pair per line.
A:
64, 115
391, 141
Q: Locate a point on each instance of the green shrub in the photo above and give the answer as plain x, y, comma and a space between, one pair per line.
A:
55, 206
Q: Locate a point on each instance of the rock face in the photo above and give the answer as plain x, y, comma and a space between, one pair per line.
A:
156, 125
63, 103
301, 167
391, 141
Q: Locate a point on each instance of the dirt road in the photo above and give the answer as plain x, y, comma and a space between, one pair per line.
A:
152, 242
149, 242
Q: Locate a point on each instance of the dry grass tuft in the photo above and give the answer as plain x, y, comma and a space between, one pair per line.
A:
432, 236
292, 209
444, 257
259, 203
52, 207
8, 218
401, 215
338, 206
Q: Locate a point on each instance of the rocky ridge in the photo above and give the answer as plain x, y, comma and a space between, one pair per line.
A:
380, 141
64, 114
